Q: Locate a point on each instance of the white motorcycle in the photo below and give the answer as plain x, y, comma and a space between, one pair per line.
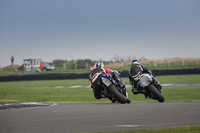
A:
149, 87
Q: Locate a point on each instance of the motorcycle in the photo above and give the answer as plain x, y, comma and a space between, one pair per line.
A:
148, 86
113, 90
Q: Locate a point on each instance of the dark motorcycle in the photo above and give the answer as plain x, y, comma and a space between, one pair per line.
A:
113, 90
150, 88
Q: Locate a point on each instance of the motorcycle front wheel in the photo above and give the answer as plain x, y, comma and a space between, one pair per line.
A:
156, 93
118, 96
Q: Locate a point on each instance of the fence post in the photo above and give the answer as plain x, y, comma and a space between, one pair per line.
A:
86, 65
197, 63
75, 64
183, 62
64, 67
16, 68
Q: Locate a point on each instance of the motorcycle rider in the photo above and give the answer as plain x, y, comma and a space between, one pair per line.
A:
134, 74
96, 72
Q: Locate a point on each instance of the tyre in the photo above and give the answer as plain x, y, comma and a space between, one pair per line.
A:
128, 100
118, 96
156, 93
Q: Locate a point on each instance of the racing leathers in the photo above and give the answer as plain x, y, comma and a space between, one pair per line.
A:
94, 78
134, 75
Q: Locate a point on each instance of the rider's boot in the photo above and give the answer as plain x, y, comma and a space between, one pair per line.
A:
112, 99
135, 91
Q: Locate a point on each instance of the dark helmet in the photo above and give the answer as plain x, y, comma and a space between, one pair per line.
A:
135, 62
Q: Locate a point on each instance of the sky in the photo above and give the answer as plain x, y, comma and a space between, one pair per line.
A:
98, 29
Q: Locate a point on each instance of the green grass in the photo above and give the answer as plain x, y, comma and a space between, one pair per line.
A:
179, 79
176, 79
171, 94
186, 129
51, 91
83, 95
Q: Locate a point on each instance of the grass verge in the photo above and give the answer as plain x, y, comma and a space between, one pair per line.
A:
55, 91
186, 129
37, 91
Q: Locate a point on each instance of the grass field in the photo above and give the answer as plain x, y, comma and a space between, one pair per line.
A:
50, 91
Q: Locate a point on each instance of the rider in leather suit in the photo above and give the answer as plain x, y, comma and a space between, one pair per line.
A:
95, 75
134, 75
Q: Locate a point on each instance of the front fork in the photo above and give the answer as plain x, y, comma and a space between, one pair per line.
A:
123, 91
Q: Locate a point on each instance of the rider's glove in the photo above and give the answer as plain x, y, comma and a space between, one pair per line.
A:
150, 72
116, 72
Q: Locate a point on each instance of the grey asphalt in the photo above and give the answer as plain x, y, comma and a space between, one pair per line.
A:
94, 117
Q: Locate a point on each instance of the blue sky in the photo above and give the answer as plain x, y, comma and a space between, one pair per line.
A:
98, 29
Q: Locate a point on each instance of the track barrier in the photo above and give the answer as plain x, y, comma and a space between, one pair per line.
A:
62, 76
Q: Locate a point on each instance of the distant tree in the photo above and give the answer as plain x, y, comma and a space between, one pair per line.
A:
59, 61
117, 58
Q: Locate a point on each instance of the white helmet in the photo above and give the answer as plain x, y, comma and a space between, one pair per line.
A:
98, 64
135, 62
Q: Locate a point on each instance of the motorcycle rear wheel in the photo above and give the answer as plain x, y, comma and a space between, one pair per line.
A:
118, 96
156, 93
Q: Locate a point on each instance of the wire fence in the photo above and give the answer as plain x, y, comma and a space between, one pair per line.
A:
174, 63
165, 63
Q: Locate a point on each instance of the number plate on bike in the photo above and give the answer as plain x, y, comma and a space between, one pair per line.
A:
106, 82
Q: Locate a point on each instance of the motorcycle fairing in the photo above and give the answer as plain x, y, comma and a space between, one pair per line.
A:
107, 80
145, 80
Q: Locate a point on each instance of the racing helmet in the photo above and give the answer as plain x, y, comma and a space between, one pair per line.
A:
135, 62
98, 64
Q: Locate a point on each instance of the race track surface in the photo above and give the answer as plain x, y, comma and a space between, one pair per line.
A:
70, 118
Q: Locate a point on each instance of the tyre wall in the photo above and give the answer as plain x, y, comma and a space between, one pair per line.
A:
168, 72
86, 75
